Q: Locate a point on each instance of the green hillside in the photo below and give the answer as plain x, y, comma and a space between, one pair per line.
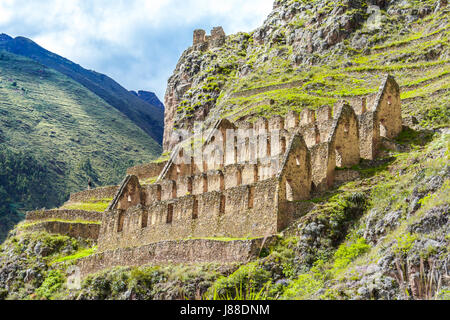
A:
146, 116
64, 129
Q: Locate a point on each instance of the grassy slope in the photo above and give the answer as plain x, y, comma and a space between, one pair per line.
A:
66, 127
146, 116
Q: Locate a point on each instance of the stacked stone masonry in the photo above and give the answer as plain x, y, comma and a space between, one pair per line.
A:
204, 42
74, 223
72, 229
94, 194
69, 215
146, 171
184, 251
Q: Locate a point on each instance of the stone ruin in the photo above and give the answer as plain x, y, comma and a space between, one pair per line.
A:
204, 42
254, 191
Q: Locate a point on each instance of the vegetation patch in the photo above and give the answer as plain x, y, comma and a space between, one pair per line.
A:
97, 205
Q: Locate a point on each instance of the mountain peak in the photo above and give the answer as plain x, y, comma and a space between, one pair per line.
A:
149, 97
5, 37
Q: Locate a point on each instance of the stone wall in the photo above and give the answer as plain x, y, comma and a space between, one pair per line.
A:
239, 201
369, 135
251, 146
217, 37
324, 123
71, 229
184, 251
128, 194
252, 92
383, 118
345, 175
387, 108
213, 180
147, 171
203, 42
94, 194
294, 181
345, 136
69, 215
199, 37
323, 164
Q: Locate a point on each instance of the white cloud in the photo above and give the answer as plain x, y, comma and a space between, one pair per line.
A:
136, 42
5, 11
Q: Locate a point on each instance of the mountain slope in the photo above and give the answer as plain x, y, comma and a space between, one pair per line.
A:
149, 97
148, 117
68, 131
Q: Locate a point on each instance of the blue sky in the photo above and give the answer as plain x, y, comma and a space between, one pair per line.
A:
136, 42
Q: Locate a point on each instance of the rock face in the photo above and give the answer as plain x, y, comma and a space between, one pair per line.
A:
185, 76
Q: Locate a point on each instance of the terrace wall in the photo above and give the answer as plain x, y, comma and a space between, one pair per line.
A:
94, 194
69, 215
182, 251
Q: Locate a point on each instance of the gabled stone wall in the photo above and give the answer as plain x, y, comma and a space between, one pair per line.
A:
323, 164
73, 223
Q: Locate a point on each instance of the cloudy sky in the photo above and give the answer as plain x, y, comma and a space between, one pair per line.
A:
136, 42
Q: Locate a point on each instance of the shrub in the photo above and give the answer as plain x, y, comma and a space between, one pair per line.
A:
346, 253
404, 243
52, 283
303, 287
343, 212
247, 282
3, 294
